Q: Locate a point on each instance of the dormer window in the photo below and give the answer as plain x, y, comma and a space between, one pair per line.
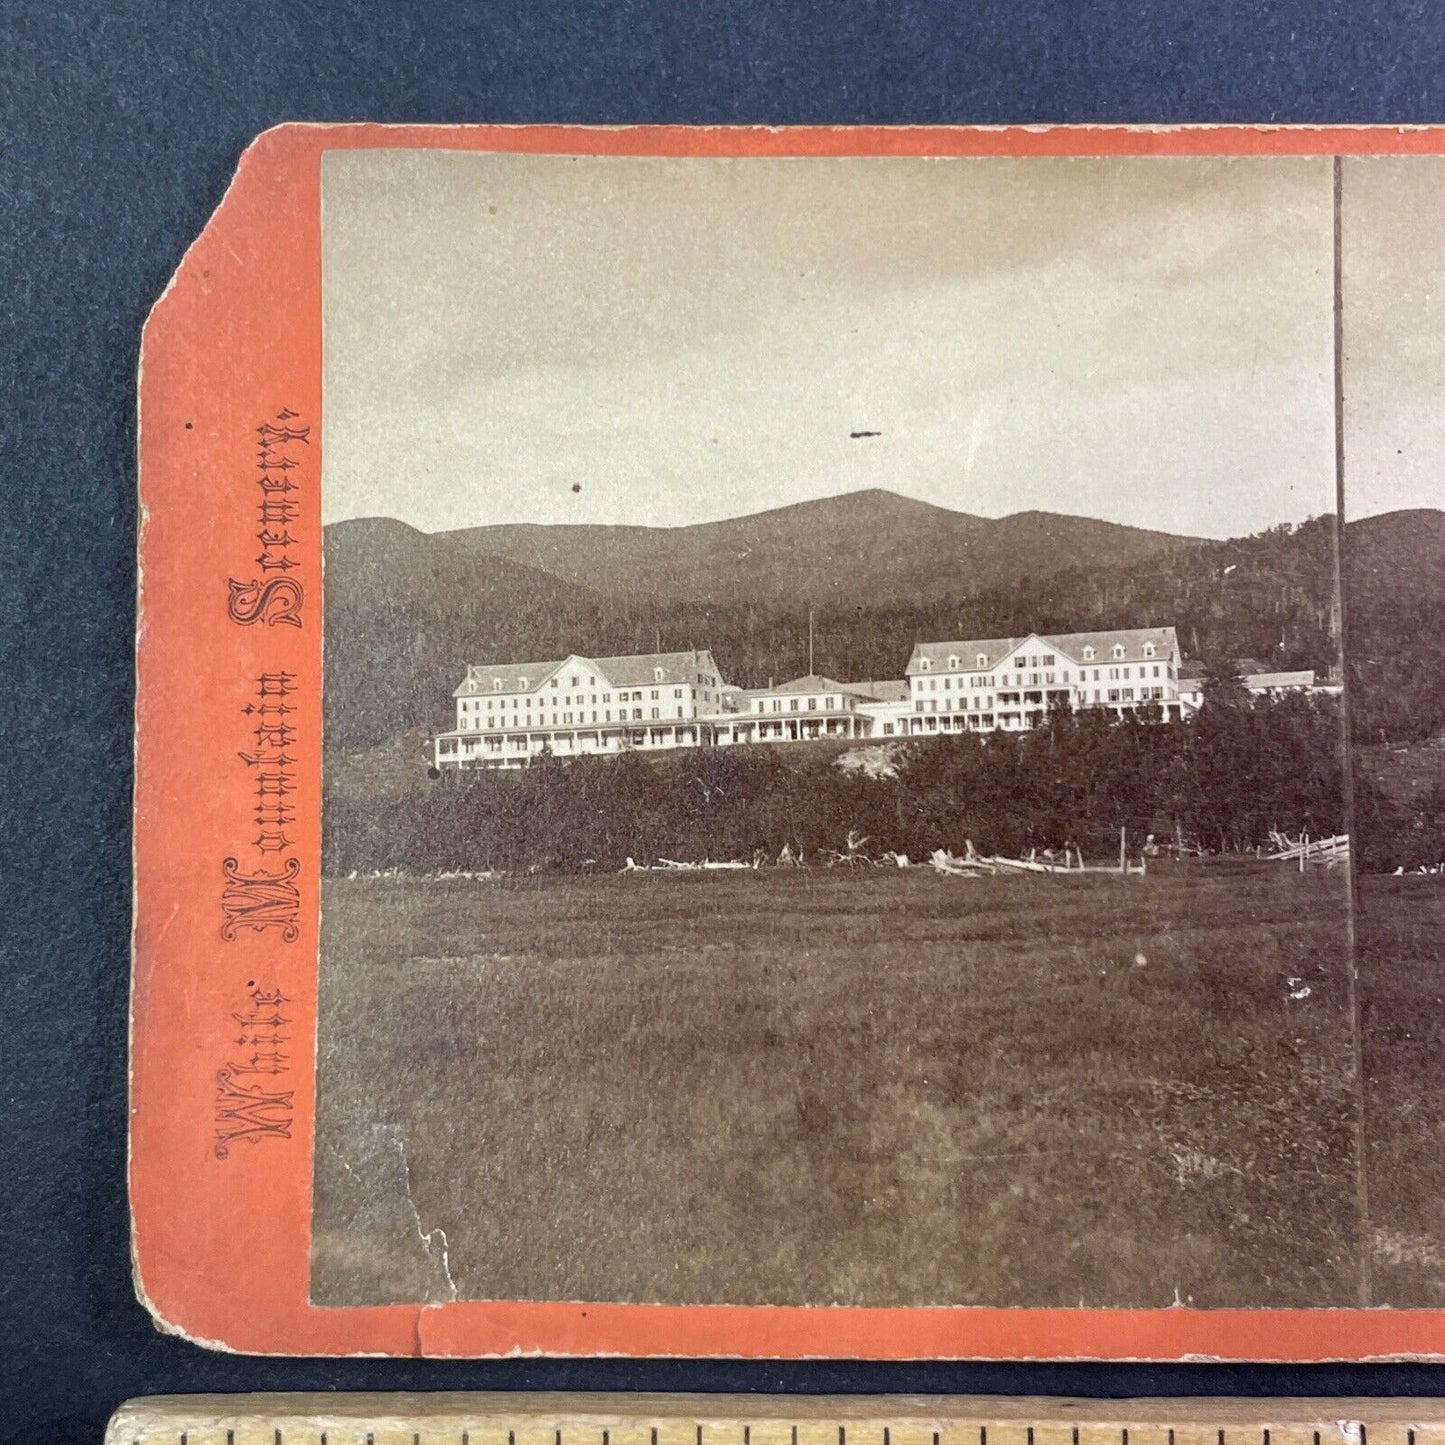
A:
1089, 654
953, 663
657, 674
497, 684
522, 682
1118, 649
924, 664
1148, 649
982, 659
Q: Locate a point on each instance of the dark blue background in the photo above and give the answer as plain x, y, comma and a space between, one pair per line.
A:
121, 124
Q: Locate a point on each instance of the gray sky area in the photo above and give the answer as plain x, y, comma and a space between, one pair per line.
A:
1393, 212
558, 339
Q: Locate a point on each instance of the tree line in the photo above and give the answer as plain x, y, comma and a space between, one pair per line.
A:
1242, 768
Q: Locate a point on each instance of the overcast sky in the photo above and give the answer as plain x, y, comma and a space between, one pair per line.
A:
1394, 305
548, 339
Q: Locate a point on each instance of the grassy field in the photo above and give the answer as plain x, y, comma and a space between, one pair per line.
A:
1398, 928
865, 1088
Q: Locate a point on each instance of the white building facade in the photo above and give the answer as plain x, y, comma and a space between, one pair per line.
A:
1258, 681
1010, 684
510, 715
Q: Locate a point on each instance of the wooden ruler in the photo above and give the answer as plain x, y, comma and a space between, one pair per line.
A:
582, 1419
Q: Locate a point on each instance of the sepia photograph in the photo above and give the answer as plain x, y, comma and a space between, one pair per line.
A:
841, 780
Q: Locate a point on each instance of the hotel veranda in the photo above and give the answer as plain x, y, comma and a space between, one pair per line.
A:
510, 714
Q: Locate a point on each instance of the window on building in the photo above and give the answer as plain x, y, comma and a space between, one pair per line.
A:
953, 663
1118, 649
1089, 654
924, 664
1148, 649
657, 674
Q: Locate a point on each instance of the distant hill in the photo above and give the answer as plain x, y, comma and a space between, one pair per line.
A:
1395, 621
402, 608
406, 611
849, 549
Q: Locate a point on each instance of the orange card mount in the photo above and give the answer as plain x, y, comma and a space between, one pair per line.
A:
229, 847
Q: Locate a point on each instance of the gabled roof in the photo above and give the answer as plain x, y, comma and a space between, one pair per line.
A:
814, 682
1072, 645
634, 671
642, 669
513, 676
994, 649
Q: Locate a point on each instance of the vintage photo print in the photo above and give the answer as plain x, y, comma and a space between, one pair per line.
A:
792, 744
834, 775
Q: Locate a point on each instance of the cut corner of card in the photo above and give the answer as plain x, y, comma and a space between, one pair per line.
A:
794, 743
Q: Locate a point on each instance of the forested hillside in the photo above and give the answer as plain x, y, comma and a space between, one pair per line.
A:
405, 612
1224, 782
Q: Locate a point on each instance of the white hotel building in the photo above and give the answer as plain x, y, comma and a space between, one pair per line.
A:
1011, 683
510, 714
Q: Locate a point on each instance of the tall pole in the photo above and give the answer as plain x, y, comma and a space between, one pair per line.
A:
810, 642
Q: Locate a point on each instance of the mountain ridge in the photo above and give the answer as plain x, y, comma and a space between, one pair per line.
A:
849, 548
